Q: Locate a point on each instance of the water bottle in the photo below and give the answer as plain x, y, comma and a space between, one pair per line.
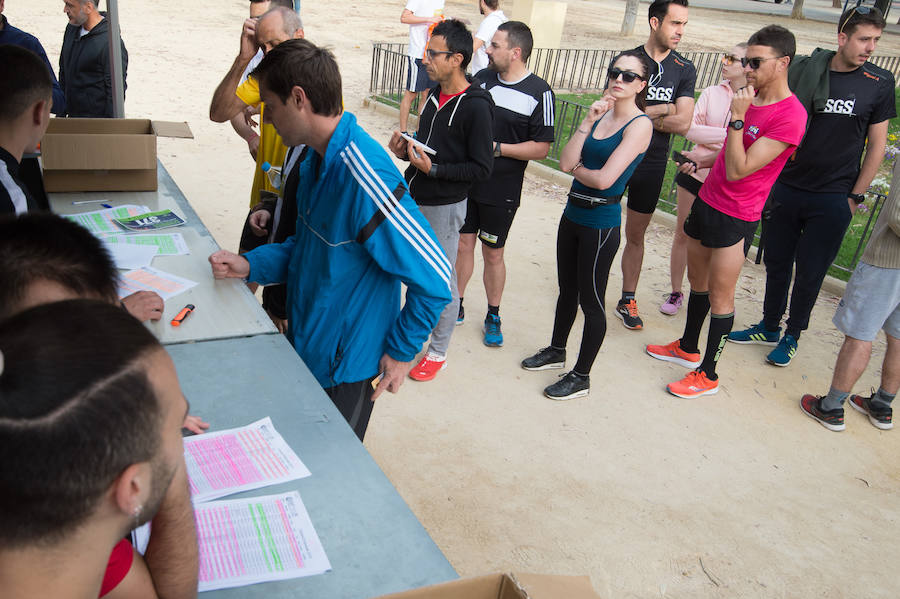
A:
273, 173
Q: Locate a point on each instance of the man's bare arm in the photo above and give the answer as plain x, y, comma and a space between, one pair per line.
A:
408, 18
877, 142
172, 551
225, 104
526, 150
677, 117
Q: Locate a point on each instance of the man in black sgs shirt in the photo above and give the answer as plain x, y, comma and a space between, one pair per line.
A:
523, 131
849, 101
670, 103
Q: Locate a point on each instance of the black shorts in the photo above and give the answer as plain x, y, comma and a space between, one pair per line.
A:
688, 183
716, 229
645, 184
491, 223
249, 239
417, 79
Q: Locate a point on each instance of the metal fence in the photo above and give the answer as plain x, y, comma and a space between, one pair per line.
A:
565, 69
584, 71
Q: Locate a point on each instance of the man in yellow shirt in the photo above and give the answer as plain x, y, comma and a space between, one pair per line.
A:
231, 97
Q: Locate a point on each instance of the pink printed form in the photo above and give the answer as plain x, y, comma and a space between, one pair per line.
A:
223, 462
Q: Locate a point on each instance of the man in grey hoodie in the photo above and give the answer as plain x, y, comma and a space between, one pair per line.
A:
456, 123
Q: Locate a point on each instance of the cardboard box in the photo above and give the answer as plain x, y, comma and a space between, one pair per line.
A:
104, 154
506, 586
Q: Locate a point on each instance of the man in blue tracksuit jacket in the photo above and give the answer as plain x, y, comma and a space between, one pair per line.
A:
359, 235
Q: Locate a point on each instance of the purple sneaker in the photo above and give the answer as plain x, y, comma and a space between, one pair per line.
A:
672, 303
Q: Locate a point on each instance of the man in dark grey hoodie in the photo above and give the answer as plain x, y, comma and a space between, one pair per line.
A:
456, 123
84, 61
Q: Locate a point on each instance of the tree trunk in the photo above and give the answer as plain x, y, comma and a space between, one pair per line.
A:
631, 10
836, 4
797, 13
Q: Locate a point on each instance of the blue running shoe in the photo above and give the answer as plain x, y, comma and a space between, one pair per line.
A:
756, 334
784, 352
492, 335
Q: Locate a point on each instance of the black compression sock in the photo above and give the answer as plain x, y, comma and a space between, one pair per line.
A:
495, 310
627, 296
719, 327
698, 308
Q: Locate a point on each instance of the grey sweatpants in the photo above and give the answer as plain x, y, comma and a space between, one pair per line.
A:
446, 221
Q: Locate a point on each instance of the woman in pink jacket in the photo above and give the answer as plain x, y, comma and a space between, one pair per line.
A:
711, 115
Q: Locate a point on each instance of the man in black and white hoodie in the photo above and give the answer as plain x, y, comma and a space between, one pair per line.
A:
456, 123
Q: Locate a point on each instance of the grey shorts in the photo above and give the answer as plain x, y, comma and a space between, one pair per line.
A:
870, 303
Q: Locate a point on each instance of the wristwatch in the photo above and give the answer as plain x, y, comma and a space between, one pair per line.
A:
736, 125
496, 149
859, 198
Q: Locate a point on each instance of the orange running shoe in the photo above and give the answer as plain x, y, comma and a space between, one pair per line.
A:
427, 368
628, 312
673, 353
693, 385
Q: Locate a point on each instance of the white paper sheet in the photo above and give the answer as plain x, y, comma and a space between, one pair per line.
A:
148, 278
239, 459
129, 256
258, 539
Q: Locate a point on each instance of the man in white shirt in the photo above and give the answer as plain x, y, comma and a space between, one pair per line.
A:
493, 18
421, 16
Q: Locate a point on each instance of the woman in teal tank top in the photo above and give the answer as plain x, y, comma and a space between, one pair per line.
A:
600, 155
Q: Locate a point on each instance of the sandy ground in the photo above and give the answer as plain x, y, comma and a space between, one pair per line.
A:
737, 495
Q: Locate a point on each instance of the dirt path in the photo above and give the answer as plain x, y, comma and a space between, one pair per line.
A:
629, 485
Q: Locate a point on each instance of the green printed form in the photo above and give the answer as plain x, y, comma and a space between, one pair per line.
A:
256, 539
167, 244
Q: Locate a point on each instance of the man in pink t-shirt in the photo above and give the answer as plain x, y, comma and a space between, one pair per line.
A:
767, 124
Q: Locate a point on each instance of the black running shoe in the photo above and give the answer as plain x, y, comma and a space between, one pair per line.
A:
569, 386
461, 317
628, 312
879, 417
547, 358
833, 420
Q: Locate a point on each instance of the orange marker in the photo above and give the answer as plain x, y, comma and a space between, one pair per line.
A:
181, 316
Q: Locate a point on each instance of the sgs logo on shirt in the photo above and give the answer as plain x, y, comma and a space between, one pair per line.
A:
660, 94
834, 106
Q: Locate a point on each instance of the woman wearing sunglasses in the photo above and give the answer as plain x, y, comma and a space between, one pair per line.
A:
601, 155
708, 129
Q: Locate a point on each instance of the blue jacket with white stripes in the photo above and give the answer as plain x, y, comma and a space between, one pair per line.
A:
359, 235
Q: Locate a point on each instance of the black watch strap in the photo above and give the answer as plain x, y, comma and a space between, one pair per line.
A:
736, 124
859, 198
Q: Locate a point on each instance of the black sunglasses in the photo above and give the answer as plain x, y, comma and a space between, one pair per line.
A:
432, 54
857, 10
756, 61
627, 76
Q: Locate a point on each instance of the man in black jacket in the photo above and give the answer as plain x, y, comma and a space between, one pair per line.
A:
84, 61
456, 123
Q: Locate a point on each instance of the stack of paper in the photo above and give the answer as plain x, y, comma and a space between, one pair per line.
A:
240, 459
146, 278
134, 252
258, 539
245, 541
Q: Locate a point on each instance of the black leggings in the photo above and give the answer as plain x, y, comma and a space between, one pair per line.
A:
583, 259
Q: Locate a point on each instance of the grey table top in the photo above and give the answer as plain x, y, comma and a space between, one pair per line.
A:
224, 309
374, 542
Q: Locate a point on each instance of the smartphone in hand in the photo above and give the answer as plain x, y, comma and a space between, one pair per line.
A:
680, 158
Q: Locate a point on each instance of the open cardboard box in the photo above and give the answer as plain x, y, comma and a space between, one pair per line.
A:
104, 154
506, 586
